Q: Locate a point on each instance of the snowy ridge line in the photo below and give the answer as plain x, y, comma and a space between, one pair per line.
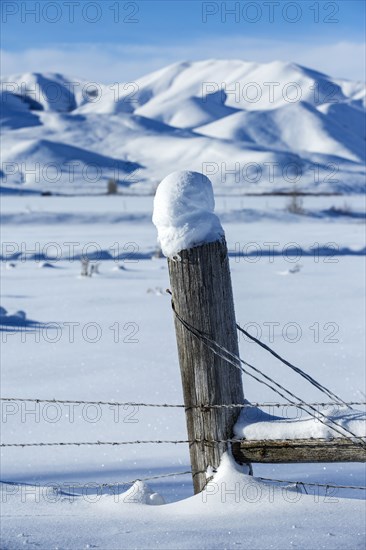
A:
178, 406
182, 115
237, 362
299, 371
151, 441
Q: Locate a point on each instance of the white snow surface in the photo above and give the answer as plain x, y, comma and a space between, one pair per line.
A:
256, 424
123, 348
184, 212
235, 510
141, 493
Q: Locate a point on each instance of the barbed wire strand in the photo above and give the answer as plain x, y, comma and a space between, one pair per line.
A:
174, 474
327, 485
237, 364
168, 405
159, 441
115, 483
299, 371
90, 443
206, 339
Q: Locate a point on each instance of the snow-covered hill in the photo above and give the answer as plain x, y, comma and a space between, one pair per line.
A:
250, 127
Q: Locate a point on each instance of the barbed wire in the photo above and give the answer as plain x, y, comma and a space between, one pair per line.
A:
174, 474
237, 362
169, 405
327, 485
89, 443
84, 402
299, 371
165, 441
115, 483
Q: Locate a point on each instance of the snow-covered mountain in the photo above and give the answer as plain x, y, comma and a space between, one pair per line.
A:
250, 127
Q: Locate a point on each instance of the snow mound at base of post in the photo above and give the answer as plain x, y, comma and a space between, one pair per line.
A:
184, 212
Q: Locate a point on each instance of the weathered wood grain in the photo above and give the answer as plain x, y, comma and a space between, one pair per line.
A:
202, 296
298, 451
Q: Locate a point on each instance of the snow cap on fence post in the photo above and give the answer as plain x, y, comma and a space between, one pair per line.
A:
184, 215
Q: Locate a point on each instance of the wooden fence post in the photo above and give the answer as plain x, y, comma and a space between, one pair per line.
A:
202, 296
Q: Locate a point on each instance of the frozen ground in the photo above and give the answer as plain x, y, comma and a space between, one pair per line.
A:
235, 511
317, 315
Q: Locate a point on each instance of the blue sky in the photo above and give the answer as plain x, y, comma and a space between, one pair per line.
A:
112, 40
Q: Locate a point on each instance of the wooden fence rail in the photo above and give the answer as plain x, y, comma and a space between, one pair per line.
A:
298, 451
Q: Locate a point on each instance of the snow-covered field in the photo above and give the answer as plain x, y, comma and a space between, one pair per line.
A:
110, 337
